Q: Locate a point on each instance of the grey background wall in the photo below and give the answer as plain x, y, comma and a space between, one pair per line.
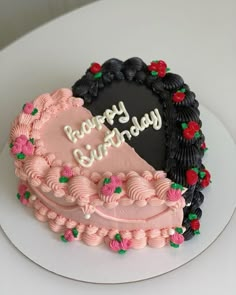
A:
18, 17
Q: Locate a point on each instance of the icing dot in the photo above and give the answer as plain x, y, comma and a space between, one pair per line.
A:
188, 204
88, 147
33, 198
87, 216
171, 231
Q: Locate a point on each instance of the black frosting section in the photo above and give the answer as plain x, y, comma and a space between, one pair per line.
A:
131, 82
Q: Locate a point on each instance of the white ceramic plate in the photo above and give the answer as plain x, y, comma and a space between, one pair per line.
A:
98, 264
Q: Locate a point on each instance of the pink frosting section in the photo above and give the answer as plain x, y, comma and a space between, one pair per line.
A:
145, 201
122, 159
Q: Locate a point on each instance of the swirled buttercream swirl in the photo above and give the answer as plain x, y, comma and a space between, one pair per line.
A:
82, 187
18, 130
162, 185
139, 188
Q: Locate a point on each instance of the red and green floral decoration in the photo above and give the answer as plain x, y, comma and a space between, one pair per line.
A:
96, 70
158, 68
194, 175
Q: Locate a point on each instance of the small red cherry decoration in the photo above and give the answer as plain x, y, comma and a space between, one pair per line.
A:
178, 96
95, 68
191, 177
194, 126
207, 178
195, 224
158, 68
191, 130
188, 133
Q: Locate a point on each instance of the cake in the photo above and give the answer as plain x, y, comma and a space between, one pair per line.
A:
116, 160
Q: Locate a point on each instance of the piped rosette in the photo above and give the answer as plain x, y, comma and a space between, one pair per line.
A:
111, 189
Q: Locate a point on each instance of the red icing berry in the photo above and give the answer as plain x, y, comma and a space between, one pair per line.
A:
208, 175
161, 65
188, 133
203, 146
95, 68
194, 126
195, 224
207, 179
178, 96
161, 73
191, 177
205, 182
152, 67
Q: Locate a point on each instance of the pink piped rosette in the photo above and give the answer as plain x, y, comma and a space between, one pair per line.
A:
66, 174
111, 189
176, 237
174, 197
120, 245
22, 147
23, 194
29, 109
70, 235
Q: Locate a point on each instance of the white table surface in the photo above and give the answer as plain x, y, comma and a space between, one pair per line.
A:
197, 39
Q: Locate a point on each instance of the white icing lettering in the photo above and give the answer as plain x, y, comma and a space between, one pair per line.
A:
112, 138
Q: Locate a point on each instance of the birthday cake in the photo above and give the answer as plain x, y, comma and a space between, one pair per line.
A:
117, 160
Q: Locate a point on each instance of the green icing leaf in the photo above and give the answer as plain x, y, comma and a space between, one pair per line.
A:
177, 186
179, 230
174, 245
34, 112
27, 195
31, 140
121, 251
118, 190
195, 169
192, 216
23, 106
154, 73
202, 174
118, 237
63, 179
155, 61
75, 232
11, 145
197, 134
167, 69
18, 196
184, 125
98, 75
63, 239
20, 156
197, 232
106, 180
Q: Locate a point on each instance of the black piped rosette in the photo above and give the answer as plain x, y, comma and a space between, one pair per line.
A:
185, 142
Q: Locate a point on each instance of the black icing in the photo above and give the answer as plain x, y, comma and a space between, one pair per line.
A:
167, 149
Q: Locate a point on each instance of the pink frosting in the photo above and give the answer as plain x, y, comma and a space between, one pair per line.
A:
115, 245
17, 148
174, 195
67, 172
177, 238
116, 181
22, 139
69, 235
22, 189
28, 148
125, 244
108, 189
28, 108
143, 189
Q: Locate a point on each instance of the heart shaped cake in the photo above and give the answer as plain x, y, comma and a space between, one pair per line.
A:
116, 160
